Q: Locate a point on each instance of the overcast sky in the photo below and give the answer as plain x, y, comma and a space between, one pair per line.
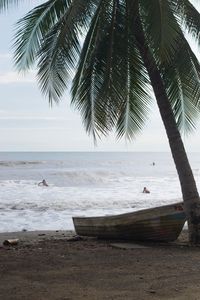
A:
27, 123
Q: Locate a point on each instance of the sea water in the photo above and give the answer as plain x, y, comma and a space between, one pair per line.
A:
83, 184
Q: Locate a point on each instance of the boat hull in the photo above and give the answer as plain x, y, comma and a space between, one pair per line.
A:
156, 224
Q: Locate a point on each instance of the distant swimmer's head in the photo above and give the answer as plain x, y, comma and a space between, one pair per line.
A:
146, 191
43, 183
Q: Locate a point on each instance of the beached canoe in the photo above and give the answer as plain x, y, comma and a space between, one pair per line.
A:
162, 223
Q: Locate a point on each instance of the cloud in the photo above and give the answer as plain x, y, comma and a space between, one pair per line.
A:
30, 118
17, 129
15, 77
11, 115
5, 56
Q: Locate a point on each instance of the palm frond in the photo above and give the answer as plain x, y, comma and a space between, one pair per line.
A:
188, 16
136, 99
183, 87
85, 81
97, 61
86, 52
57, 58
88, 79
61, 48
6, 4
100, 86
32, 29
161, 28
134, 109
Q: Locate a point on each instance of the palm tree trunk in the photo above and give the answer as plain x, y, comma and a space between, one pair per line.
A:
187, 181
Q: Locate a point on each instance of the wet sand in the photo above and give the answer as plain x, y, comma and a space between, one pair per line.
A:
48, 265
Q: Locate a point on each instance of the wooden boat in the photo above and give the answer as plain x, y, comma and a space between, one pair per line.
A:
162, 223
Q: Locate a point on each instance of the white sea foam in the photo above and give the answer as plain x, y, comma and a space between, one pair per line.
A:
83, 184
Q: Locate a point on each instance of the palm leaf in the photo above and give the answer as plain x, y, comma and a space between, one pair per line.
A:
96, 63
88, 78
83, 82
135, 100
32, 29
61, 48
135, 105
188, 16
100, 85
6, 4
183, 87
57, 58
161, 29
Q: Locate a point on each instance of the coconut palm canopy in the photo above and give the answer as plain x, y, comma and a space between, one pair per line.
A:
111, 85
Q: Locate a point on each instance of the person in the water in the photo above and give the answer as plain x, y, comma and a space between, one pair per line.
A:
145, 191
43, 183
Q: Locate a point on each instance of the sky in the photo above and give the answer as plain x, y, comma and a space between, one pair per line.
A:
28, 123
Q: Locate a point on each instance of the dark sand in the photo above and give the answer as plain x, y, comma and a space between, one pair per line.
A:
45, 265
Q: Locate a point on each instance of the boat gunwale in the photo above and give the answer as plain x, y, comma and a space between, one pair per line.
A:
149, 213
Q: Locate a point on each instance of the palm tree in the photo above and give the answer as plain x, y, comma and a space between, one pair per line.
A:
128, 46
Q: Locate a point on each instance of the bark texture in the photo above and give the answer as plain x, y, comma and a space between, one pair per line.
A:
187, 181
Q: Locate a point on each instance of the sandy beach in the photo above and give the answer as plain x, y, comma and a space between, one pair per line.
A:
51, 265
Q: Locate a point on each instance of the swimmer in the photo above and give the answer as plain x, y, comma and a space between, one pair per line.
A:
145, 191
43, 183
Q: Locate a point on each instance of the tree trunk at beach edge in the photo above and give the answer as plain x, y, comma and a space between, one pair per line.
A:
187, 181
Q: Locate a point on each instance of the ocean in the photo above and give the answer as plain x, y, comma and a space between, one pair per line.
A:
83, 184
